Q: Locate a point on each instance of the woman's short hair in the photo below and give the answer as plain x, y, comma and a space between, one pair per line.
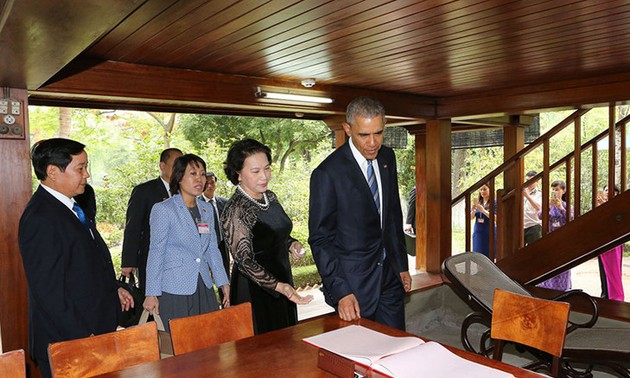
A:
179, 169
238, 152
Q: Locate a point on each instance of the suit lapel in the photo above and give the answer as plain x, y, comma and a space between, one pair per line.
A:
355, 174
192, 231
67, 216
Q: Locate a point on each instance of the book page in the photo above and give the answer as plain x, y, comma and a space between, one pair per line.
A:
433, 360
362, 344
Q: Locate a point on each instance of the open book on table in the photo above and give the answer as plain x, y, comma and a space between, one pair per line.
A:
399, 356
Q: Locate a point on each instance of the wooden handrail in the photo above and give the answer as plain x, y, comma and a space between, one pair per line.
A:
570, 162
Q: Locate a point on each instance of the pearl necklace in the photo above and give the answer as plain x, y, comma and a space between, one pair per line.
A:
263, 206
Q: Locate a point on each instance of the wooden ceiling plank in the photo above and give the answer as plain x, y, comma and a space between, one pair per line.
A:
338, 26
177, 32
388, 48
118, 40
282, 36
208, 43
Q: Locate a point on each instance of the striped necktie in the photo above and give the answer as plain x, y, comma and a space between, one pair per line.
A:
373, 185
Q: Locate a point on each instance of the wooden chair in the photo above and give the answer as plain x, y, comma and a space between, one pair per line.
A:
13, 364
534, 322
201, 331
105, 353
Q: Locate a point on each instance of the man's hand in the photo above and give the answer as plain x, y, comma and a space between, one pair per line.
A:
126, 300
127, 270
406, 280
348, 308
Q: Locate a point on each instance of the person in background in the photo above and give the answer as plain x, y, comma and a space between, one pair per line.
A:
610, 262
480, 212
355, 222
218, 203
135, 247
410, 222
557, 219
183, 251
72, 288
531, 206
257, 232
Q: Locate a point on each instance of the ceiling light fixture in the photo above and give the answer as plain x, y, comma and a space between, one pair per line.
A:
292, 97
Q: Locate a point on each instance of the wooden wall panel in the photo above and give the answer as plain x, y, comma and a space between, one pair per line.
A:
15, 169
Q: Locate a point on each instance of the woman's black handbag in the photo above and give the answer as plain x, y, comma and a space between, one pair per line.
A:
132, 316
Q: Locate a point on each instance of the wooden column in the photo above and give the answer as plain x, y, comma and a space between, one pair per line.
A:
421, 200
437, 222
511, 209
16, 191
336, 125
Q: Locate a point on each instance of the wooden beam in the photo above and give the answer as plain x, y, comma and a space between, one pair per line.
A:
112, 83
561, 94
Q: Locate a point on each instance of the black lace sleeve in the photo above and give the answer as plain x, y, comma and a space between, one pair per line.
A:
238, 219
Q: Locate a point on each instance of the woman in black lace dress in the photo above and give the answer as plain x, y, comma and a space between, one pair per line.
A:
257, 233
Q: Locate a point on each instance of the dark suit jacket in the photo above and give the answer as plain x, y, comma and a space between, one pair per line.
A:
137, 237
72, 288
345, 230
225, 255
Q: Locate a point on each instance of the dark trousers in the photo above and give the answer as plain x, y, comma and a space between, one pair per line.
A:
391, 305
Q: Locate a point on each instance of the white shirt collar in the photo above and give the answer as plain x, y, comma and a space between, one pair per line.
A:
69, 202
206, 199
361, 160
167, 186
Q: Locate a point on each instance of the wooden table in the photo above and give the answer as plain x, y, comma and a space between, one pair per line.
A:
279, 354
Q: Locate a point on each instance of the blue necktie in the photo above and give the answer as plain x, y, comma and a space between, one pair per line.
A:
373, 185
79, 211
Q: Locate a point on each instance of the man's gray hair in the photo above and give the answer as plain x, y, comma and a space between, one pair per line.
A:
366, 107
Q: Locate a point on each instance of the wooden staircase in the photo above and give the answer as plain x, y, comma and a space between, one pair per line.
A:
589, 234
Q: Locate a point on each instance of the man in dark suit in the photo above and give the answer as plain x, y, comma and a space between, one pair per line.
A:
355, 222
218, 203
136, 239
72, 288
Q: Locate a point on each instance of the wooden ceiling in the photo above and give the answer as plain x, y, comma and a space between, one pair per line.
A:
421, 58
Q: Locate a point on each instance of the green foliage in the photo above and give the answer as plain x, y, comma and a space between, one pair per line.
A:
306, 276
285, 137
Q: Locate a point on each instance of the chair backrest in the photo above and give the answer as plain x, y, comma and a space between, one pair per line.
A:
201, 331
534, 322
13, 364
477, 276
105, 353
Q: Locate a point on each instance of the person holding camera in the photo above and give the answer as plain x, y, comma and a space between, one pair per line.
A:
557, 219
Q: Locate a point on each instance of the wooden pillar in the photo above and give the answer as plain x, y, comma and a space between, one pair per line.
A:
511, 208
16, 191
437, 222
421, 200
336, 125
